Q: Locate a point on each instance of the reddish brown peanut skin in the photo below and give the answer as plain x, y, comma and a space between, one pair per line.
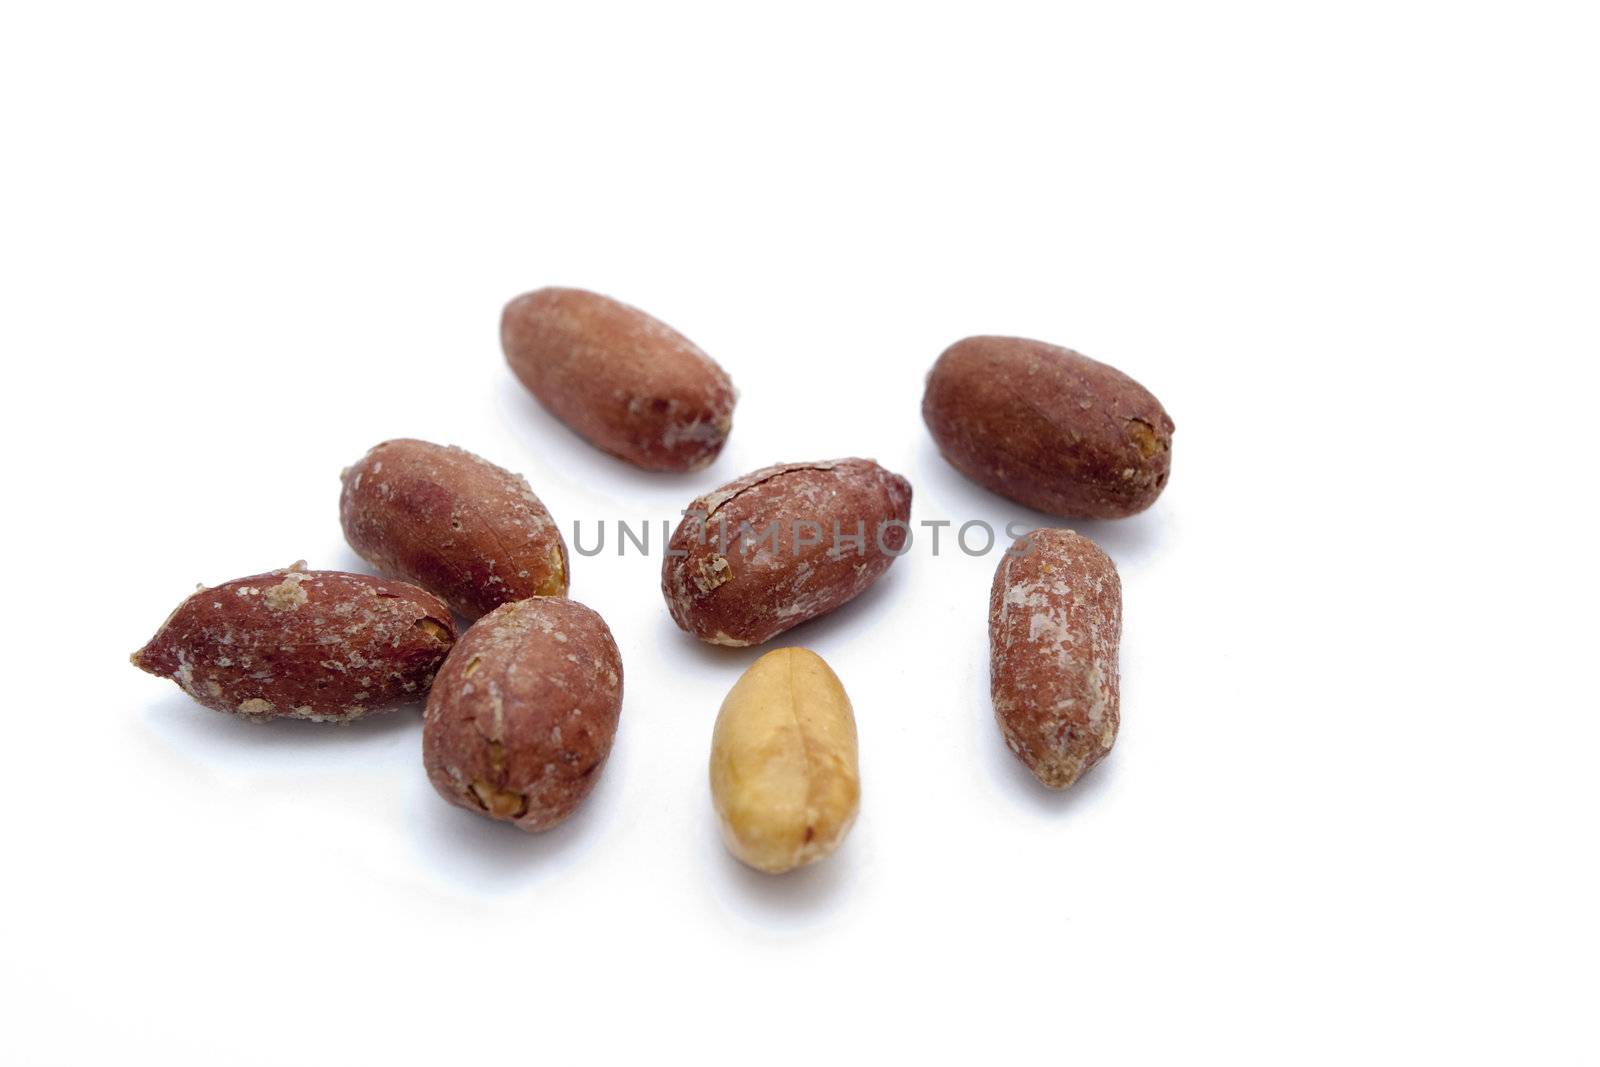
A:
1055, 618
522, 715
628, 384
455, 524
1048, 427
733, 590
319, 645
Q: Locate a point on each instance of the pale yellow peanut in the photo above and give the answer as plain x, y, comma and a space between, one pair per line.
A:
784, 777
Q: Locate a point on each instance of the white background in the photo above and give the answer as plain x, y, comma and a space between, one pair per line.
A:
1352, 247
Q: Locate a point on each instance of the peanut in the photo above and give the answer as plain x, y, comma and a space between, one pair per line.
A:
1055, 619
1048, 427
320, 645
523, 713
454, 523
784, 776
783, 545
628, 384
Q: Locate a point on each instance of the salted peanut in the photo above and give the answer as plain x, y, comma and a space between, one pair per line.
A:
784, 777
522, 715
1048, 427
782, 545
453, 523
1055, 618
630, 385
319, 645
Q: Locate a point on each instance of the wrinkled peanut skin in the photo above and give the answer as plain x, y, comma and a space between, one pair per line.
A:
732, 590
784, 774
1048, 427
1055, 621
452, 522
320, 645
628, 384
522, 715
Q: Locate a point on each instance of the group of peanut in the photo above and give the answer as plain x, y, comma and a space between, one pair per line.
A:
522, 707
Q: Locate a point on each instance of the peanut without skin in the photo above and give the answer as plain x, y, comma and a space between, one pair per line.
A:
784, 774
